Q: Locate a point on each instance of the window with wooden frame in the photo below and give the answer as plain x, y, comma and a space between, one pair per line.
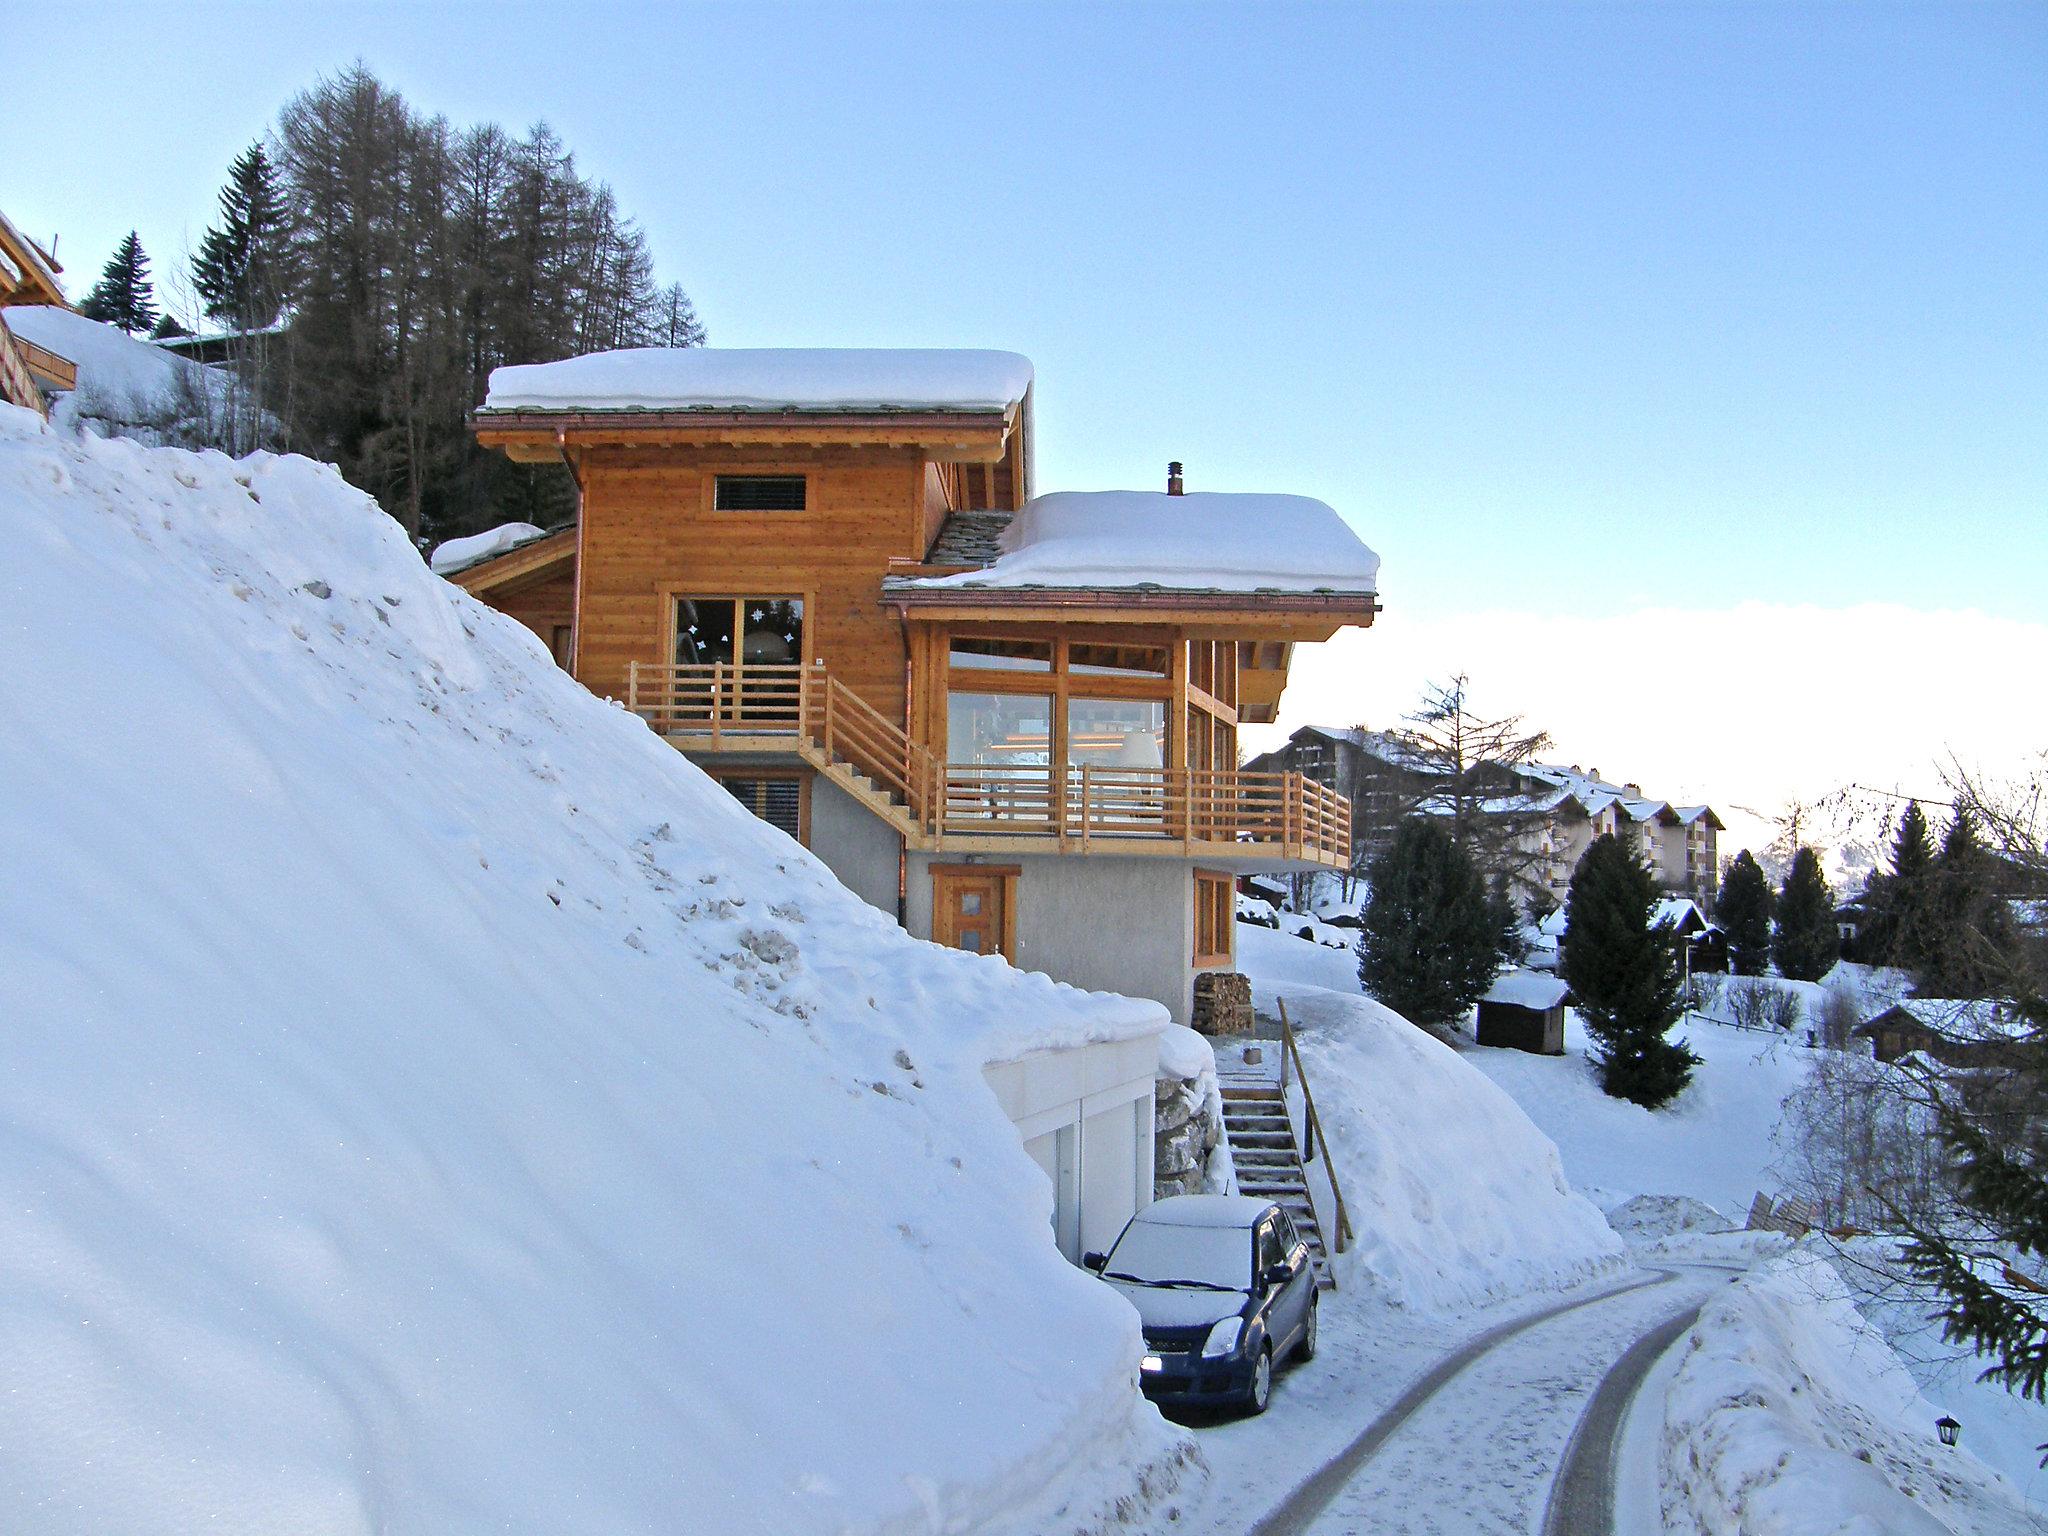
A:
760, 493
1215, 917
782, 800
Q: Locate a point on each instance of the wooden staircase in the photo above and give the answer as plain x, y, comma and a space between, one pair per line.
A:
1269, 1164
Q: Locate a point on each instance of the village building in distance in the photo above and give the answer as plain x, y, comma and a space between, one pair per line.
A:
1565, 807
1009, 719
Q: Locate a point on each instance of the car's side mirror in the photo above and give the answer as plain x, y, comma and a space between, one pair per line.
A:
1094, 1261
1276, 1274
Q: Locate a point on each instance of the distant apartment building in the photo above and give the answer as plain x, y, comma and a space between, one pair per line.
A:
1563, 808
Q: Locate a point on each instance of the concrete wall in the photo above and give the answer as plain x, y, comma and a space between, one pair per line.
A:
857, 846
1085, 1116
1096, 920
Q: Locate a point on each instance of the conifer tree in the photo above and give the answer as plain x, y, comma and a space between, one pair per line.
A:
1806, 943
1624, 976
1898, 900
167, 328
1743, 911
241, 270
1431, 936
124, 296
1966, 926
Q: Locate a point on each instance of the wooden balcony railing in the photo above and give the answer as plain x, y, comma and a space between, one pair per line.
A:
17, 386
721, 707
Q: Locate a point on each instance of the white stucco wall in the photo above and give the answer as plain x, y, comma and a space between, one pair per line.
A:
856, 845
1094, 920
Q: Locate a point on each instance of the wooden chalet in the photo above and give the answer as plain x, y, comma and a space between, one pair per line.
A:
1010, 720
28, 275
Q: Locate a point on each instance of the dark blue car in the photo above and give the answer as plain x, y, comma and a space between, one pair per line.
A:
1226, 1292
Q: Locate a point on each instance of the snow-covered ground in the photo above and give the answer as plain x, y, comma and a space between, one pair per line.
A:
433, 1105
1788, 1414
127, 385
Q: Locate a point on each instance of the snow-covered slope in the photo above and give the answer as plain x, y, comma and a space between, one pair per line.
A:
1789, 1415
431, 1105
126, 386
1455, 1198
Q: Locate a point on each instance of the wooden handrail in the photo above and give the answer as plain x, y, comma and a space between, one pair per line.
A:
1313, 1125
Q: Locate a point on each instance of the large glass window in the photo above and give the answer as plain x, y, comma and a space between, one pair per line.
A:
1116, 733
999, 730
1005, 655
769, 631
705, 627
1109, 660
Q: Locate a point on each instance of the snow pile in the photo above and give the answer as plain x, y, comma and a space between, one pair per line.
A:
1789, 1415
456, 554
1647, 1218
1455, 1198
1205, 541
126, 386
433, 1105
765, 379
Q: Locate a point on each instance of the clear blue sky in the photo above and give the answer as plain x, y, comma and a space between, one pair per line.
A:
1577, 307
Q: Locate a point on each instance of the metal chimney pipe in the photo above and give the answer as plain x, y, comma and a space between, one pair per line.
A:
1173, 483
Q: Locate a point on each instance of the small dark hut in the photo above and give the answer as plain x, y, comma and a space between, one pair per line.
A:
1524, 1011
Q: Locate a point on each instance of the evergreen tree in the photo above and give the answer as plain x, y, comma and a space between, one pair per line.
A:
1743, 911
1431, 936
1966, 927
1898, 900
1625, 976
167, 328
1806, 943
124, 295
242, 269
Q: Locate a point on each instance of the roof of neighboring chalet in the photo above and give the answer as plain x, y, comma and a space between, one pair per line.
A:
1205, 542
461, 554
1681, 913
1527, 989
765, 379
1953, 1018
506, 558
28, 273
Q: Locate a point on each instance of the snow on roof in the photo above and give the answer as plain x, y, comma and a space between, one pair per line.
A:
1205, 541
38, 258
765, 379
459, 554
1526, 989
1961, 1018
1673, 911
1205, 1211
1643, 810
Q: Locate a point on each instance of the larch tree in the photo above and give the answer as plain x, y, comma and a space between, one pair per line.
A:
124, 295
1464, 768
1624, 974
1742, 909
1431, 936
1806, 942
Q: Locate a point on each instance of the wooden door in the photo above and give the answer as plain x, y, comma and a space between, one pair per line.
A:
971, 909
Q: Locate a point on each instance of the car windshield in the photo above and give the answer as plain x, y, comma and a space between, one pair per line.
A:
1154, 1253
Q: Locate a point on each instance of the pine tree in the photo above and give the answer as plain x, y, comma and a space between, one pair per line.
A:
1431, 936
1806, 943
124, 296
1898, 900
1966, 928
242, 269
167, 328
1624, 975
1743, 911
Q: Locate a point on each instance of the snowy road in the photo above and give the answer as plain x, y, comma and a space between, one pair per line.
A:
1513, 1430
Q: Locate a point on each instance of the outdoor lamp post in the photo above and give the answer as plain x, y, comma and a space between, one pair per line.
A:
1948, 1429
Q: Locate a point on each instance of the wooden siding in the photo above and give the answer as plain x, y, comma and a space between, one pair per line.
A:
543, 607
649, 535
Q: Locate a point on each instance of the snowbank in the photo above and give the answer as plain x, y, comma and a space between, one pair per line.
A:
126, 386
458, 553
1455, 1198
1789, 1415
1205, 541
432, 1105
765, 378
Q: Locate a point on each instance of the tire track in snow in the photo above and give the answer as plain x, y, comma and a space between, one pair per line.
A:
1582, 1499
1314, 1494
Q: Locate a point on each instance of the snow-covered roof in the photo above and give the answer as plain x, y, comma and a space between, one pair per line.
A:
1526, 989
765, 379
1673, 912
39, 261
1205, 541
1643, 810
121, 378
1205, 1211
460, 554
1960, 1018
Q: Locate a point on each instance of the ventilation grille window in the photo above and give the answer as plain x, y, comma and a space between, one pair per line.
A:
761, 493
779, 802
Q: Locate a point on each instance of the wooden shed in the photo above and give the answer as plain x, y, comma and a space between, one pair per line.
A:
1524, 1011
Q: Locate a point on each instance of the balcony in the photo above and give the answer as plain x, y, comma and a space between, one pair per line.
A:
1223, 814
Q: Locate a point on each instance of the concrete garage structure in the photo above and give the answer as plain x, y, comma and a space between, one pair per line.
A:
1085, 1113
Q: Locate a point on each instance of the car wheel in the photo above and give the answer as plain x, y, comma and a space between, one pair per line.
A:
1306, 1349
1260, 1392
